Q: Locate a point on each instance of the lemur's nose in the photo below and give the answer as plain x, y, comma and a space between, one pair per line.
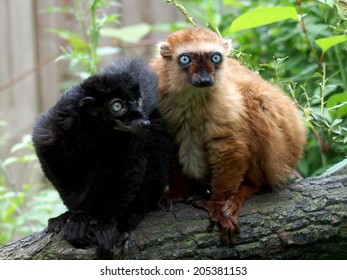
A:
145, 123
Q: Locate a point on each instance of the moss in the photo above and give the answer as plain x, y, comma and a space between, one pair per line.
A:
343, 231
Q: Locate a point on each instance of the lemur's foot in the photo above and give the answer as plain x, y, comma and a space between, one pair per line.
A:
170, 197
76, 230
57, 223
223, 213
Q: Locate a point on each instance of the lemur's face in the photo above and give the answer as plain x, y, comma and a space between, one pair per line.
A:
116, 102
200, 68
194, 57
127, 115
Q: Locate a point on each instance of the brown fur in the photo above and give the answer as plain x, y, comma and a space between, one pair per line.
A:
242, 135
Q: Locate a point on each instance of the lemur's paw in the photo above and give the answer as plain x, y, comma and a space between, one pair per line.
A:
223, 213
57, 223
76, 230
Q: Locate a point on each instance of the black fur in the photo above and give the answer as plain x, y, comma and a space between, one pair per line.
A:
108, 167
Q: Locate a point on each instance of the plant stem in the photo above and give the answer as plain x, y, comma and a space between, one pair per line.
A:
94, 34
183, 11
304, 30
7, 175
341, 66
322, 112
322, 71
80, 17
322, 91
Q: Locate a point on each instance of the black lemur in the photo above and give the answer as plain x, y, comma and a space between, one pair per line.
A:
104, 148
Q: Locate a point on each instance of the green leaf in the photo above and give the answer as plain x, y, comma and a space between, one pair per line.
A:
328, 2
327, 43
27, 158
336, 122
72, 37
214, 28
337, 167
262, 16
26, 143
129, 34
102, 51
338, 102
113, 18
64, 34
9, 161
317, 75
320, 120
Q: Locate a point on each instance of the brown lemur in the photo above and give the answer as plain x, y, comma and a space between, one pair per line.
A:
232, 130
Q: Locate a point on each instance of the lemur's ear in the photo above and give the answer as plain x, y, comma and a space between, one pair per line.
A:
88, 103
228, 45
164, 49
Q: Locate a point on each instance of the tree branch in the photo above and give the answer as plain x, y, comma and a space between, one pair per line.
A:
307, 220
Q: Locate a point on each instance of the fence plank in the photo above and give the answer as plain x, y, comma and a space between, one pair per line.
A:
47, 51
18, 55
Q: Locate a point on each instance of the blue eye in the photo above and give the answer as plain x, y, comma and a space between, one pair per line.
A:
184, 59
216, 58
116, 106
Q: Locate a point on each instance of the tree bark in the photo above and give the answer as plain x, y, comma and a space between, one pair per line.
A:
306, 220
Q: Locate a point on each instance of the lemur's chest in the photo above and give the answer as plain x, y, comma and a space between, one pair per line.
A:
186, 120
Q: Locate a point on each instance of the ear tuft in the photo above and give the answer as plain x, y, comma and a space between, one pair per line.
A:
164, 49
228, 45
87, 102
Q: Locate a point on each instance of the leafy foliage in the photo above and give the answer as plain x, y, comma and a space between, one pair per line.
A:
262, 16
84, 50
24, 208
